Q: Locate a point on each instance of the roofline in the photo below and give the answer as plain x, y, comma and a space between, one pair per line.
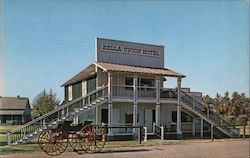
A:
181, 75
65, 83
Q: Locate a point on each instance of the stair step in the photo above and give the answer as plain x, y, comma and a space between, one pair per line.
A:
15, 143
40, 130
30, 135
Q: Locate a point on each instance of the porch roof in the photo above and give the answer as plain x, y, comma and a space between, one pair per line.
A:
137, 69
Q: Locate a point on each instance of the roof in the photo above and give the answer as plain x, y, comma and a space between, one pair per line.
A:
136, 69
11, 112
84, 74
13, 103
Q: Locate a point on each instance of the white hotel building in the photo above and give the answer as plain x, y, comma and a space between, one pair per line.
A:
124, 86
134, 75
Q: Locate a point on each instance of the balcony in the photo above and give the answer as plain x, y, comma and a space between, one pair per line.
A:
143, 93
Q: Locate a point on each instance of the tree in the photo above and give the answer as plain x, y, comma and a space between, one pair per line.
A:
207, 100
44, 102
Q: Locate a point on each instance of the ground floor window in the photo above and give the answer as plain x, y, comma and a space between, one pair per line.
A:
184, 117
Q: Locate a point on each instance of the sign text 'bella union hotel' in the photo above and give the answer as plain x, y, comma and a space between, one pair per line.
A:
129, 50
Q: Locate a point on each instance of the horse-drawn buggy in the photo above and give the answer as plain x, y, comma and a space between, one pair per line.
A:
85, 137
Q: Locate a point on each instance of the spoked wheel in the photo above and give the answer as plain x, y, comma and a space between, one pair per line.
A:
96, 136
78, 141
52, 142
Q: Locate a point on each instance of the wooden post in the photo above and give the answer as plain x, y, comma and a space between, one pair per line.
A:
244, 131
212, 132
139, 137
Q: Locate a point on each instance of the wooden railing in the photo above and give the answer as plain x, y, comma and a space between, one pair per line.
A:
158, 130
51, 118
218, 121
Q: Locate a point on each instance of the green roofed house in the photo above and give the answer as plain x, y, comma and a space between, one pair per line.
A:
14, 110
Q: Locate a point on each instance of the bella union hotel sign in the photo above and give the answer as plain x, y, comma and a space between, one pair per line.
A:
130, 50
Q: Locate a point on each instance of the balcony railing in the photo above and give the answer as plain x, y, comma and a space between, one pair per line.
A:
127, 91
123, 91
146, 92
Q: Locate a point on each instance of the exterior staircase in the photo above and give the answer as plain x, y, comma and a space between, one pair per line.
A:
189, 103
67, 111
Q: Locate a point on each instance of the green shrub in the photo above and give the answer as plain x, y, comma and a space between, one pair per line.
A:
242, 120
231, 119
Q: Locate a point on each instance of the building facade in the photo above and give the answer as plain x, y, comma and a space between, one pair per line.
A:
134, 74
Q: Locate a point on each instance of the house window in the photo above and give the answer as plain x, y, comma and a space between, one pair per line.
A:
147, 82
174, 116
77, 90
128, 81
66, 93
184, 117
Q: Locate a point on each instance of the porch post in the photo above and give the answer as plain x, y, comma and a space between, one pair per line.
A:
208, 112
201, 127
110, 104
193, 127
96, 115
157, 111
135, 106
178, 127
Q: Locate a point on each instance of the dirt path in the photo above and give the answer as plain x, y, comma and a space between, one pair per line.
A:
225, 149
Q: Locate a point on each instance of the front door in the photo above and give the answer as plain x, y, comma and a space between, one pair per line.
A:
104, 117
149, 120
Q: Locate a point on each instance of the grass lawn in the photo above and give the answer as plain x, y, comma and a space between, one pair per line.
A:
19, 149
4, 129
241, 130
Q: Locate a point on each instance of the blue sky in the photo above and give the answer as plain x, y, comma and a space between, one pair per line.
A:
46, 42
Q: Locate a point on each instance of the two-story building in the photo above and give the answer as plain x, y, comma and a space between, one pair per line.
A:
124, 87
135, 75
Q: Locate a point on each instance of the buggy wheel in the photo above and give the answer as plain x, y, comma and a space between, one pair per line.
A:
97, 138
52, 142
78, 141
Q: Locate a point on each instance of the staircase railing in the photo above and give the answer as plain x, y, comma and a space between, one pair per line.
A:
217, 119
51, 118
144, 134
158, 130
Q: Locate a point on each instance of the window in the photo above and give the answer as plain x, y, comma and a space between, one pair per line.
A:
66, 94
184, 117
128, 118
128, 81
147, 82
174, 116
77, 90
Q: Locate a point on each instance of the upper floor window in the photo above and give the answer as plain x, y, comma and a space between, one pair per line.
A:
147, 82
128, 81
